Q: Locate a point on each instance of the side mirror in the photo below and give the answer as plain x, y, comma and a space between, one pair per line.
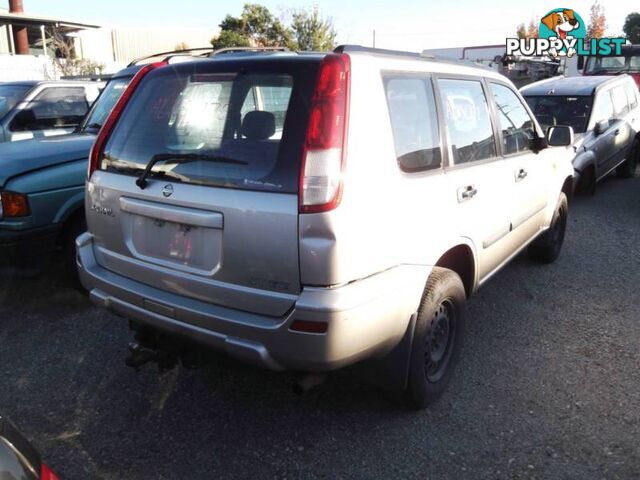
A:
23, 120
601, 127
560, 136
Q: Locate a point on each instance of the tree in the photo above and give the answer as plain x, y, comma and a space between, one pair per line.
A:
180, 46
632, 27
312, 32
255, 27
530, 31
597, 21
65, 59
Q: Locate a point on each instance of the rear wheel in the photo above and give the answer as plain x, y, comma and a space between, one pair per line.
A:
547, 247
437, 338
628, 168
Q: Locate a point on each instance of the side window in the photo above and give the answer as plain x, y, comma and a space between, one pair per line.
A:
604, 107
632, 95
414, 122
468, 120
620, 106
515, 122
55, 107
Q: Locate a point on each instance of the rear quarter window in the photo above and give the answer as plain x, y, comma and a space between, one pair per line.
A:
414, 122
620, 105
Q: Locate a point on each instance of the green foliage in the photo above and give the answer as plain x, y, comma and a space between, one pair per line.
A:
255, 27
230, 38
632, 27
312, 32
258, 27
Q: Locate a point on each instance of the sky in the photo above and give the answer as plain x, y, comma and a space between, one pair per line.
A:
406, 25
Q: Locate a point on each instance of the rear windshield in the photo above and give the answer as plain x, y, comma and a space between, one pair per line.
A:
10, 95
236, 127
612, 65
561, 110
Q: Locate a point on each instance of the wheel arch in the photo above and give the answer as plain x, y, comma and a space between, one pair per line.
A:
70, 217
567, 188
461, 259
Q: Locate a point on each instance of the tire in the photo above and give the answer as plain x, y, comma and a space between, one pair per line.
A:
76, 226
628, 168
587, 185
438, 337
547, 247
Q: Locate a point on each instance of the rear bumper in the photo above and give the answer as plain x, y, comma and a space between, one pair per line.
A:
23, 243
366, 318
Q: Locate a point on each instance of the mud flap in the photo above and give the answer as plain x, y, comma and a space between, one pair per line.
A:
391, 371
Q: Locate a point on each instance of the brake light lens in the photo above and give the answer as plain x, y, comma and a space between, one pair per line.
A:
321, 175
13, 205
103, 135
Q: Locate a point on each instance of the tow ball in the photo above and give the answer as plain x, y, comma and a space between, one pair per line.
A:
140, 355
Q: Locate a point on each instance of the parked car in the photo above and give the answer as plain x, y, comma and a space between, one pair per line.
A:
38, 109
628, 62
42, 185
605, 115
18, 459
337, 219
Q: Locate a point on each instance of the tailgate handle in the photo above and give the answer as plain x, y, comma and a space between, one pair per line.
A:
170, 213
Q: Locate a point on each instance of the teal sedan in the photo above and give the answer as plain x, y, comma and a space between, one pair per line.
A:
42, 186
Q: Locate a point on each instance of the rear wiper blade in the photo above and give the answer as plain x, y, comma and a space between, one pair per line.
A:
182, 158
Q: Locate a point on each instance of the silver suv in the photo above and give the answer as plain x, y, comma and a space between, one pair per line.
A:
309, 211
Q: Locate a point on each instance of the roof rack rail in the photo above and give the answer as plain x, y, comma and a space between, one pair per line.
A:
171, 54
400, 53
248, 49
206, 51
375, 51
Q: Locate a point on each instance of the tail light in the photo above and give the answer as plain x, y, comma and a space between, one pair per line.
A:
321, 179
112, 119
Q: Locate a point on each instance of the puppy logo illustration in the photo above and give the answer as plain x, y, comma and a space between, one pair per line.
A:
562, 24
562, 33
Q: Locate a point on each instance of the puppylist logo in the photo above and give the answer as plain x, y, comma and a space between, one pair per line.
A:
562, 32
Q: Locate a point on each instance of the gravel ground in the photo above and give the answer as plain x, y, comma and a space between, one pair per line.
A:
548, 385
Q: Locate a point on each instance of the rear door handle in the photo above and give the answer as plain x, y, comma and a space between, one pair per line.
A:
521, 174
466, 193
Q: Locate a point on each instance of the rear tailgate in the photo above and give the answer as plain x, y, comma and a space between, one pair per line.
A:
218, 220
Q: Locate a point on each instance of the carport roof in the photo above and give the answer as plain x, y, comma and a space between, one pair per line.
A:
38, 20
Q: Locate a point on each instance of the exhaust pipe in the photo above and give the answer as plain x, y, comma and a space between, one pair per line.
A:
308, 381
